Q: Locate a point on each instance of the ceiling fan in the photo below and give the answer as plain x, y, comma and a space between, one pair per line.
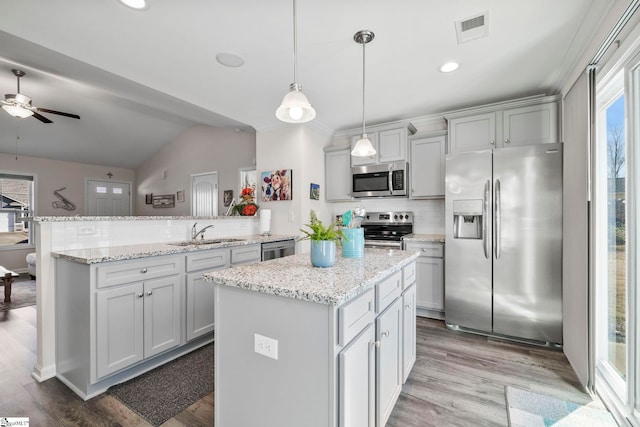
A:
19, 105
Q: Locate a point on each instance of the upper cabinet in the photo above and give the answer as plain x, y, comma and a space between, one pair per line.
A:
426, 168
526, 121
390, 142
337, 173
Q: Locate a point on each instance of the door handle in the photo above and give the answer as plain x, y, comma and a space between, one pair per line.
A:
497, 217
485, 218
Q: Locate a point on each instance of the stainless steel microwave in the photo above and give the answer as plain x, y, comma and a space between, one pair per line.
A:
380, 180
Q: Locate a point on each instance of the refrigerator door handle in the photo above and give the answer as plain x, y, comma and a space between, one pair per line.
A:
485, 219
496, 217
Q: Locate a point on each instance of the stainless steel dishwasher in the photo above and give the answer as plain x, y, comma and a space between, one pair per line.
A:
282, 248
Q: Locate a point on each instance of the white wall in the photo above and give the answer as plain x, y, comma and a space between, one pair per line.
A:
198, 150
299, 148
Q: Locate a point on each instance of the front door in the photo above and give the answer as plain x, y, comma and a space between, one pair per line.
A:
108, 198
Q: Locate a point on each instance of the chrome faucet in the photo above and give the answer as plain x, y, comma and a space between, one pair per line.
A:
195, 233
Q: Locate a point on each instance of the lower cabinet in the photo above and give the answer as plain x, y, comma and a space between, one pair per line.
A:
374, 365
137, 321
429, 278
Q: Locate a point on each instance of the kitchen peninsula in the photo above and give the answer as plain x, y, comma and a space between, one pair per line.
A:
298, 345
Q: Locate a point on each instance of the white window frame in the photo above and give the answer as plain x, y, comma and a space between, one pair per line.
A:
32, 234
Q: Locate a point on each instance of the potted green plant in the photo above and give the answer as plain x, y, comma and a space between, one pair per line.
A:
323, 241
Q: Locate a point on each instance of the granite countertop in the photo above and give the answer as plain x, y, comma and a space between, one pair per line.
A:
424, 238
63, 218
120, 253
295, 277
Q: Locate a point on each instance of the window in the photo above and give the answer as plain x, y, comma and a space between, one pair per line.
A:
16, 204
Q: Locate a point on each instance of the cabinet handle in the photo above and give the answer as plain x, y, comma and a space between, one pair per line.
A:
384, 334
408, 306
492, 142
144, 270
376, 344
149, 293
140, 295
506, 141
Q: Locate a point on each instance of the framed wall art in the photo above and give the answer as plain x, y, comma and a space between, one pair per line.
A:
148, 199
164, 201
276, 185
314, 191
180, 196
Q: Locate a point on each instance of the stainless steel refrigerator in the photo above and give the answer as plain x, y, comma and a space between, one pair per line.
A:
503, 258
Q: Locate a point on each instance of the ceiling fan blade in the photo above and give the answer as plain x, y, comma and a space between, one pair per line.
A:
43, 119
60, 113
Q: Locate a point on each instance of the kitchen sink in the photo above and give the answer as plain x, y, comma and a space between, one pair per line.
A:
205, 242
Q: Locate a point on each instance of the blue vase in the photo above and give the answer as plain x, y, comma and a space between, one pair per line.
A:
323, 253
353, 243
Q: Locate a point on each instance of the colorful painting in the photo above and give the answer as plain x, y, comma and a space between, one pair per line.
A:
314, 191
276, 185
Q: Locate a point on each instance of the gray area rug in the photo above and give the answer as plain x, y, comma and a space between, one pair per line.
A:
164, 392
528, 409
23, 293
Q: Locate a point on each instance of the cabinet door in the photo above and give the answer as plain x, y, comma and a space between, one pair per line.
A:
430, 283
472, 133
427, 167
337, 175
392, 145
162, 315
534, 124
388, 361
370, 160
119, 328
200, 306
357, 381
408, 331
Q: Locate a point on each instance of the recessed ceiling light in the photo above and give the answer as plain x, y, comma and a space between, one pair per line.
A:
135, 4
230, 59
449, 67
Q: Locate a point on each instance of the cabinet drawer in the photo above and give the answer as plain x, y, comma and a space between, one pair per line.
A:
388, 290
354, 316
127, 272
427, 249
208, 260
408, 275
245, 254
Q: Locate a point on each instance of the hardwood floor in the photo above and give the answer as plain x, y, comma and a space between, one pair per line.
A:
458, 380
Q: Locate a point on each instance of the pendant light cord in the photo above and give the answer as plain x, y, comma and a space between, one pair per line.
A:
363, 85
295, 45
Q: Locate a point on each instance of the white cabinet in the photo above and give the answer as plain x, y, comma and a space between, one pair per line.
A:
408, 331
426, 168
527, 121
136, 321
247, 254
200, 295
378, 336
429, 278
388, 361
390, 142
337, 173
357, 381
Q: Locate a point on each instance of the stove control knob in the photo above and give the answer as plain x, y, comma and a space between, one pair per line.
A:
396, 216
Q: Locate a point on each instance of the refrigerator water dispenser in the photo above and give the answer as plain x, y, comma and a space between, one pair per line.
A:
467, 219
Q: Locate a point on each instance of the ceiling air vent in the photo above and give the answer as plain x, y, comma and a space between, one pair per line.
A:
472, 28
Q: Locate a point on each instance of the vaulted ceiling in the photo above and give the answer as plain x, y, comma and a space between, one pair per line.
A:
140, 78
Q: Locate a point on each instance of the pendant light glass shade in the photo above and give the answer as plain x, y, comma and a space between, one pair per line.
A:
295, 107
17, 111
363, 147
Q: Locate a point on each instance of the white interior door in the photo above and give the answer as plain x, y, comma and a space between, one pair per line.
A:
204, 194
108, 198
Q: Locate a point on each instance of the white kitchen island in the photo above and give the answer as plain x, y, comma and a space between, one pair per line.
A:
303, 346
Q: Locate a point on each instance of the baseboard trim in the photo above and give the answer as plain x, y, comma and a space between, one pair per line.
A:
42, 374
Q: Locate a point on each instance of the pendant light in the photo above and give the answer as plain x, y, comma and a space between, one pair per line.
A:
363, 147
295, 107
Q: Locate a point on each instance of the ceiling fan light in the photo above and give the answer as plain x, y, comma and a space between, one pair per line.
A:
17, 111
363, 147
295, 108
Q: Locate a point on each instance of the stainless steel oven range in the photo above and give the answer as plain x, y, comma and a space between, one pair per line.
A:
386, 229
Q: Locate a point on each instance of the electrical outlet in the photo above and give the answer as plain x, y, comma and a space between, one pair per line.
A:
265, 346
87, 229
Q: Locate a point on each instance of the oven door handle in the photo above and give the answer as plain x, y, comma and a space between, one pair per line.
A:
376, 244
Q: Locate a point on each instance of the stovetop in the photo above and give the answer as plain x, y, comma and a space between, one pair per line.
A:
390, 218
